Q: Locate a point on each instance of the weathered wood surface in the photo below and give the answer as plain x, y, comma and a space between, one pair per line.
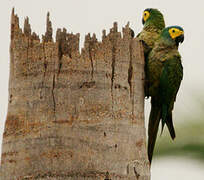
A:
74, 115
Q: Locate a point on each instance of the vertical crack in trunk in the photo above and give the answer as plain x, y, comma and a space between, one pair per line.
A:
130, 75
27, 51
113, 72
60, 55
53, 96
92, 66
27, 64
45, 64
59, 66
44, 73
54, 83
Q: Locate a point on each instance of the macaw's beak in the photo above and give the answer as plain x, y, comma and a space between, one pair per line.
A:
179, 39
143, 21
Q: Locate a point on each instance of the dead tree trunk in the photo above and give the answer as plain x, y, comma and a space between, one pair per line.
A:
74, 115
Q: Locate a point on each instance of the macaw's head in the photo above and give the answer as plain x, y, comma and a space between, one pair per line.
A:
173, 35
153, 18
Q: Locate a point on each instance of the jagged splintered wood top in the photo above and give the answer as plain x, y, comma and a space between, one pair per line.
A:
69, 41
74, 115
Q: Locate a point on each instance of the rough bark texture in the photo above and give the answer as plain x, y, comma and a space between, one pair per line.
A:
74, 115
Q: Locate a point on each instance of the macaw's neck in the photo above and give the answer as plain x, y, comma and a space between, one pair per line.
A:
164, 49
156, 25
165, 43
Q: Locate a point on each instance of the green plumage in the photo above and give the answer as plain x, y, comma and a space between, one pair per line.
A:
165, 73
153, 26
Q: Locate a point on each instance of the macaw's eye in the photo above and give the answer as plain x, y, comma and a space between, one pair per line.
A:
173, 31
146, 15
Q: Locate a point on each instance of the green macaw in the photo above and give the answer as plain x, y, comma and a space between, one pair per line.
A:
165, 73
153, 22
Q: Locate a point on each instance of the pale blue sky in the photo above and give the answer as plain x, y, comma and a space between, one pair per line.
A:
93, 16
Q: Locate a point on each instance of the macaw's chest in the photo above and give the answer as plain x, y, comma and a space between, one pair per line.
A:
155, 68
154, 71
149, 37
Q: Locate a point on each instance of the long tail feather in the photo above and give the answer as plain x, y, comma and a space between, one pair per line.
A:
154, 119
170, 126
164, 116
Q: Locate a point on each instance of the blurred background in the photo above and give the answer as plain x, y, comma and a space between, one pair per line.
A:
173, 160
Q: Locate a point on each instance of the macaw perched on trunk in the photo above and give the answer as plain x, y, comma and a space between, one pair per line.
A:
165, 74
153, 22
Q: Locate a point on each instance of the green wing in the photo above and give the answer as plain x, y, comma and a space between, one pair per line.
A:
170, 81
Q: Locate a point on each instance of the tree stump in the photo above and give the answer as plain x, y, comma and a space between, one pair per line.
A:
74, 115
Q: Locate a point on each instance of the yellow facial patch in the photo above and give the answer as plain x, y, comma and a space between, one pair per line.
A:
174, 32
146, 15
